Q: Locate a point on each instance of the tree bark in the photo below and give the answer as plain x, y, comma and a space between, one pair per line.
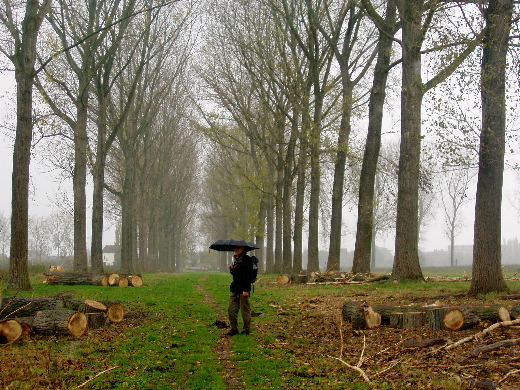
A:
23, 58
487, 273
365, 224
406, 262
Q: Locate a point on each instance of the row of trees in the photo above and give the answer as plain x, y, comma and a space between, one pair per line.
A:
112, 101
283, 90
291, 81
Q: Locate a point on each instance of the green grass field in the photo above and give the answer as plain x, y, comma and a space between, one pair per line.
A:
168, 339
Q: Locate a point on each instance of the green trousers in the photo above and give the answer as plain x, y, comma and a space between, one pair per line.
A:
237, 302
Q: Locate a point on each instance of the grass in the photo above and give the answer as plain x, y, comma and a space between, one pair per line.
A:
167, 340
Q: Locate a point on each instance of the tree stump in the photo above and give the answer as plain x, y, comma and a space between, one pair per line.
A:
10, 331
396, 320
97, 320
458, 319
61, 321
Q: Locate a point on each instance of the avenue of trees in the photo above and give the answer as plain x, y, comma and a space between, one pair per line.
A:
264, 120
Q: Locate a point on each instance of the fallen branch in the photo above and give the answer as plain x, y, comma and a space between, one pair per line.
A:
357, 367
509, 374
495, 346
95, 376
483, 332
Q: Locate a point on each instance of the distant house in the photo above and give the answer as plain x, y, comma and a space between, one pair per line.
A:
109, 252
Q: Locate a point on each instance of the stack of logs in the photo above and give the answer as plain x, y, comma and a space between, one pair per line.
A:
330, 278
364, 316
74, 278
24, 316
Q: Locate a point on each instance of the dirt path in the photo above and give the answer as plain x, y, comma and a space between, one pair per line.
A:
223, 347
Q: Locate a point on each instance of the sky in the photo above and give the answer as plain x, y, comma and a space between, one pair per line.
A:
45, 187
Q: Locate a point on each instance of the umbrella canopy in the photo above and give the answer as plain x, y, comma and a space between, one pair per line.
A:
229, 245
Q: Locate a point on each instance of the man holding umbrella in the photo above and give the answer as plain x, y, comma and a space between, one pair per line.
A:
241, 269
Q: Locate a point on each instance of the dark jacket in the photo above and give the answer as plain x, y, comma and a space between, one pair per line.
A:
241, 274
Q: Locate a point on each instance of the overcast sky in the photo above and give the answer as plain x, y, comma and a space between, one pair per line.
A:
45, 189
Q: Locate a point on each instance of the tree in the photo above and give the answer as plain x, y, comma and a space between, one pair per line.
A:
456, 185
367, 203
21, 50
487, 274
39, 237
61, 225
406, 263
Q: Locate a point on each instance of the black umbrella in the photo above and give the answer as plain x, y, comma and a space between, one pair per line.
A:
229, 245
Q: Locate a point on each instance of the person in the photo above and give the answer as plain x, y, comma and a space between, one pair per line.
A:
240, 288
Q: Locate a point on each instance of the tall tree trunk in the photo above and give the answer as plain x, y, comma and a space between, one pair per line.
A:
269, 247
333, 261
278, 233
365, 223
260, 234
127, 216
24, 58
288, 177
18, 265
79, 179
98, 177
487, 273
406, 262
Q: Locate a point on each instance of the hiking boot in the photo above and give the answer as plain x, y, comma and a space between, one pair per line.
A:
232, 332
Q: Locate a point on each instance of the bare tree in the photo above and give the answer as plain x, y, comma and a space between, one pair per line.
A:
456, 185
39, 237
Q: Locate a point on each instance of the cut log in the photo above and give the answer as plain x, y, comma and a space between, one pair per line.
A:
72, 278
282, 279
97, 320
85, 306
104, 281
115, 312
458, 319
503, 314
27, 307
135, 281
408, 320
435, 317
26, 323
10, 331
122, 281
61, 321
299, 279
372, 318
112, 279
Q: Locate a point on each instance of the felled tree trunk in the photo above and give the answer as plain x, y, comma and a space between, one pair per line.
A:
458, 319
26, 307
60, 321
72, 278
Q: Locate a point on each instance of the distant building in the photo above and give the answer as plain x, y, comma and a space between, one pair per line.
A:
109, 252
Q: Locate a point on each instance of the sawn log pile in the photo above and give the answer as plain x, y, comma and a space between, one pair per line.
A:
20, 316
436, 317
74, 278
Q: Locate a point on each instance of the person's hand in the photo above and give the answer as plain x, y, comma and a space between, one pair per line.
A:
245, 294
231, 266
